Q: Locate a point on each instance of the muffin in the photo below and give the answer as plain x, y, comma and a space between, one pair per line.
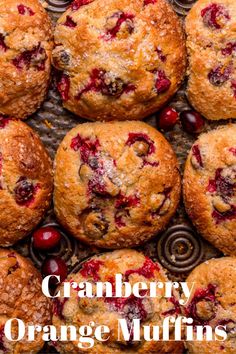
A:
21, 297
25, 47
134, 267
118, 60
25, 180
210, 187
213, 303
211, 44
116, 184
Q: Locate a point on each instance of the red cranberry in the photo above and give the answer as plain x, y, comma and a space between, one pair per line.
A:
233, 87
46, 238
176, 310
24, 191
55, 266
147, 270
34, 58
63, 86
4, 121
91, 269
162, 83
219, 75
78, 3
229, 49
121, 18
25, 10
69, 22
2, 43
160, 54
168, 117
147, 2
215, 16
192, 121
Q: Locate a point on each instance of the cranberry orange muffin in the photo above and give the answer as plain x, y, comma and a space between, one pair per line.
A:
116, 184
21, 297
210, 187
211, 44
213, 303
25, 180
118, 59
77, 311
25, 47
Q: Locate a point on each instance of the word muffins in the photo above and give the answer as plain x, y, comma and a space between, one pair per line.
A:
211, 44
77, 311
119, 60
21, 297
116, 184
213, 303
25, 180
25, 47
210, 187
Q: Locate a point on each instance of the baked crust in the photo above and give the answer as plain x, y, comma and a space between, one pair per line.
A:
210, 187
151, 311
116, 184
25, 181
21, 297
211, 45
26, 46
213, 302
111, 55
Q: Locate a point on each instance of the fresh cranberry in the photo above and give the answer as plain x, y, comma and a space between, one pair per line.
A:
91, 269
25, 10
58, 306
147, 2
229, 49
215, 16
69, 22
79, 3
192, 121
167, 119
208, 295
219, 75
233, 86
34, 58
24, 191
63, 86
197, 154
160, 54
147, 270
2, 43
55, 266
162, 83
121, 18
46, 238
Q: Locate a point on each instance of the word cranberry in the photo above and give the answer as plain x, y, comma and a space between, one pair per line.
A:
46, 238
192, 121
55, 266
167, 119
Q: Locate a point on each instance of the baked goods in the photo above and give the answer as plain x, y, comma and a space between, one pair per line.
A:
25, 47
25, 180
134, 267
210, 187
116, 184
21, 297
122, 59
213, 303
210, 27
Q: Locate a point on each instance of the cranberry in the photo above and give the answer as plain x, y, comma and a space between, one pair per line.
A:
3, 121
168, 117
88, 149
69, 22
197, 154
141, 137
224, 186
147, 270
162, 83
192, 121
58, 306
176, 310
46, 237
25, 10
127, 201
219, 75
55, 266
121, 18
114, 88
79, 3
35, 58
215, 16
160, 54
233, 150
147, 2
233, 86
221, 217
91, 269
63, 86
229, 49
2, 43
24, 191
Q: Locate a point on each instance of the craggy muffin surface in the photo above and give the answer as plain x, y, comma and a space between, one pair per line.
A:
25, 47
119, 59
25, 180
116, 184
134, 267
21, 297
213, 303
210, 187
211, 44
